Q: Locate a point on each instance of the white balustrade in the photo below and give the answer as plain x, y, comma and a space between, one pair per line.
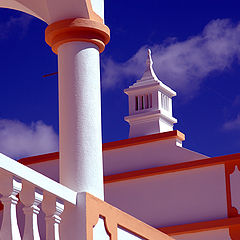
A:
9, 188
53, 208
34, 190
31, 197
82, 210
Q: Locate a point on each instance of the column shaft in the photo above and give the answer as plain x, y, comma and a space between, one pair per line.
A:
80, 117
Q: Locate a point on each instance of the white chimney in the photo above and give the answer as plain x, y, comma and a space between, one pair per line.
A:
150, 104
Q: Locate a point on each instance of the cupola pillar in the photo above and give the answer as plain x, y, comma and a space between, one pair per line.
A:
150, 104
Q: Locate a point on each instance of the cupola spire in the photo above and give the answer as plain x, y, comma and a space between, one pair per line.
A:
150, 104
149, 73
149, 61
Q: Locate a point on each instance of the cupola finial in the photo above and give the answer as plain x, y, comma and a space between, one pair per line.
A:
149, 73
149, 61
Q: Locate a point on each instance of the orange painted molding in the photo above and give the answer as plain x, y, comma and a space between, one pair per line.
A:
171, 168
111, 145
145, 172
144, 139
114, 218
39, 158
77, 29
229, 169
234, 232
201, 226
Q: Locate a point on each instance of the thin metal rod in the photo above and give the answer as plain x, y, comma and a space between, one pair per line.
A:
50, 74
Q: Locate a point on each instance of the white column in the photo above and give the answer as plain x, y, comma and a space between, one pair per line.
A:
80, 118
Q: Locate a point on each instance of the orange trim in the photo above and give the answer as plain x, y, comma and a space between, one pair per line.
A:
144, 139
145, 172
171, 168
229, 169
111, 145
39, 158
202, 226
234, 232
77, 29
114, 218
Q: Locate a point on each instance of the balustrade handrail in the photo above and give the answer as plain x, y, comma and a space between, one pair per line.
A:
9, 165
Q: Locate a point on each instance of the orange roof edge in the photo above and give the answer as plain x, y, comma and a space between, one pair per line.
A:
201, 226
144, 139
206, 162
39, 158
111, 145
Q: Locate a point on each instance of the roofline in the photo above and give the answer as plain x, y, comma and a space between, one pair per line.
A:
39, 158
111, 145
143, 139
206, 162
201, 226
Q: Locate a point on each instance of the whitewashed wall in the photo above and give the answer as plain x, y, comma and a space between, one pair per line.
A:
175, 198
163, 200
146, 155
49, 169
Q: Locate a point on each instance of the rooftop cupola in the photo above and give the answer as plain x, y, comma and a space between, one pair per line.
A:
150, 104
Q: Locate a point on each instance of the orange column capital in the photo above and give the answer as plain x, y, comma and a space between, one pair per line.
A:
77, 29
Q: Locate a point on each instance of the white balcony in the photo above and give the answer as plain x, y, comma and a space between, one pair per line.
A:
39, 194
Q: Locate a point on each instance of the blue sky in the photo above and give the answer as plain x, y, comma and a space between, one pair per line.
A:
196, 51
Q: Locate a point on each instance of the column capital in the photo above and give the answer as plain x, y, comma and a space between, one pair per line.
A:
77, 29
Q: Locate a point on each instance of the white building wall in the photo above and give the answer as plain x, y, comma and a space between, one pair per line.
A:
164, 200
147, 155
49, 169
172, 199
168, 199
141, 128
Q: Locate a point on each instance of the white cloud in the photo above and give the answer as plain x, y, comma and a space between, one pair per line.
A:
16, 25
182, 65
233, 124
19, 140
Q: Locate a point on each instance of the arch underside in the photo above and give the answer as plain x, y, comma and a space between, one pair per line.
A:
55, 10
16, 5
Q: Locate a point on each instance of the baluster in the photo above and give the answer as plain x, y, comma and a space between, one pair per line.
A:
9, 188
53, 208
31, 197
